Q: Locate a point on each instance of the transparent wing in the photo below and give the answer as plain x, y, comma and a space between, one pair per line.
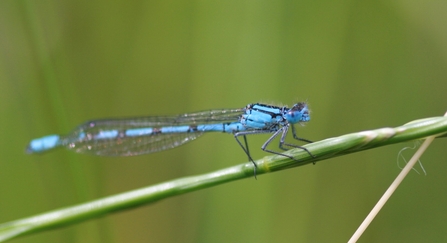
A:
109, 137
132, 146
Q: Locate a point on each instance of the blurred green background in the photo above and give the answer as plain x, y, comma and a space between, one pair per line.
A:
360, 65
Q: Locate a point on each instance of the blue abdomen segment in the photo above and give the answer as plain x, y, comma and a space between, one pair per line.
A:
104, 134
139, 132
43, 144
231, 127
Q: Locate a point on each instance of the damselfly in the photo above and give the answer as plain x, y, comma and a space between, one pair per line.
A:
134, 136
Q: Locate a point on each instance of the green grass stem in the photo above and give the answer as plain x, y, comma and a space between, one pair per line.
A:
322, 150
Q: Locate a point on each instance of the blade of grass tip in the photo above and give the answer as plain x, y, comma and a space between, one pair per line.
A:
391, 189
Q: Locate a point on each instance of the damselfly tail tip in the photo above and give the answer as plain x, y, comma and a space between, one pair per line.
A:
43, 144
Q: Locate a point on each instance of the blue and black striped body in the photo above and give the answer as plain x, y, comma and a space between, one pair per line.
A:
134, 136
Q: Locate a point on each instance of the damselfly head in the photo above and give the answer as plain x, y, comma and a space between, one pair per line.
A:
298, 113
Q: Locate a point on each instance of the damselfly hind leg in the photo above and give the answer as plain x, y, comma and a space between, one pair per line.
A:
246, 150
